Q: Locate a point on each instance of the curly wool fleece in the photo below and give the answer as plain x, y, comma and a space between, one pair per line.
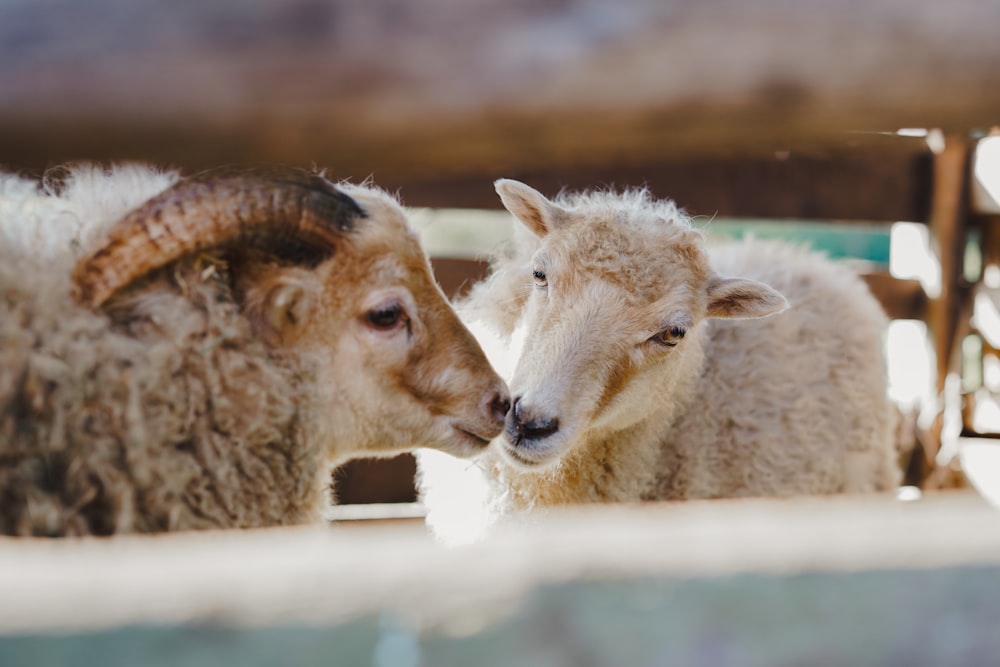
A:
94, 441
169, 416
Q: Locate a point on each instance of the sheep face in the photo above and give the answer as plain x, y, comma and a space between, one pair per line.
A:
396, 367
618, 287
335, 282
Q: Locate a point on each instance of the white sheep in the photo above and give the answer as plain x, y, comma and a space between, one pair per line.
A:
200, 352
647, 373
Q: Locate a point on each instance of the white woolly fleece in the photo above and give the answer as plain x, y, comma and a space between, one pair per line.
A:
85, 199
794, 403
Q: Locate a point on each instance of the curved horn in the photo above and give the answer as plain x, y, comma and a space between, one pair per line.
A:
213, 209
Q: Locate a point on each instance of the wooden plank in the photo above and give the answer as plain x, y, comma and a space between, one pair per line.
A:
949, 311
394, 89
917, 618
375, 480
870, 178
408, 511
900, 299
330, 576
456, 276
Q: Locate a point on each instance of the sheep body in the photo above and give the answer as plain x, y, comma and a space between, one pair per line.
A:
811, 381
171, 410
93, 440
792, 403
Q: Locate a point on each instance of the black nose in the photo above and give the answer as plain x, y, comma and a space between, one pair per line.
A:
499, 405
524, 424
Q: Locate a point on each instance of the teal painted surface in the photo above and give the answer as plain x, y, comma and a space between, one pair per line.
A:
467, 234
197, 646
907, 618
839, 241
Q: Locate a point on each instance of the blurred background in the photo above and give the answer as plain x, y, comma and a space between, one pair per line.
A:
862, 127
825, 122
822, 122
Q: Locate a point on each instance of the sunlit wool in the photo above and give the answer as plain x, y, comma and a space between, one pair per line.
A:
646, 373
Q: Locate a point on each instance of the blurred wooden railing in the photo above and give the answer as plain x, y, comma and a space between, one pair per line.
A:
402, 90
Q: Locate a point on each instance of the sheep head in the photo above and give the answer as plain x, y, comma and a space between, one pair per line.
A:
334, 279
616, 290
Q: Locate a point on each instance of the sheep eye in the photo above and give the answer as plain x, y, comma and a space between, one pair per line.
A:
540, 278
386, 317
670, 336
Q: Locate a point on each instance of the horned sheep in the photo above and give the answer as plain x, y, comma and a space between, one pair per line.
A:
188, 353
644, 371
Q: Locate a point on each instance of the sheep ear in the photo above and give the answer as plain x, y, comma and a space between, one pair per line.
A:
284, 306
530, 206
739, 298
277, 305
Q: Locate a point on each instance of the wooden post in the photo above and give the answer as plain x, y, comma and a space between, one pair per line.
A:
949, 312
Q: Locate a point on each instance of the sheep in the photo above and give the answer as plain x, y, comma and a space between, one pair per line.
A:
193, 353
647, 373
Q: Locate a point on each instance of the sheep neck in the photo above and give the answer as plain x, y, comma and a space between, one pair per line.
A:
614, 464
